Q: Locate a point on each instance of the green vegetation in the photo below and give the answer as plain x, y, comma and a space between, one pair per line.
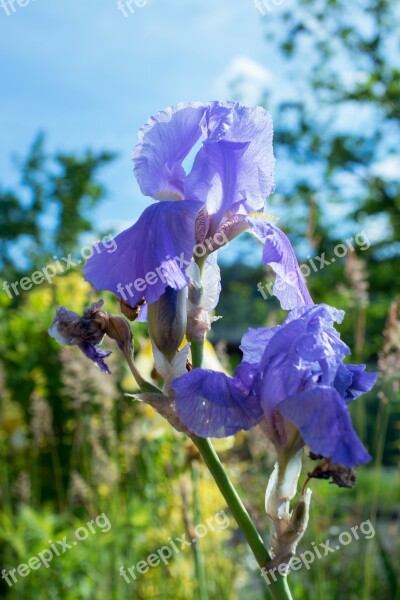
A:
72, 446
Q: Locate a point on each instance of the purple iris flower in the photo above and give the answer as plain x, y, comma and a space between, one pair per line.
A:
292, 378
231, 177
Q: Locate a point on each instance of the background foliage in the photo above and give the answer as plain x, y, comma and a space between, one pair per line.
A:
73, 446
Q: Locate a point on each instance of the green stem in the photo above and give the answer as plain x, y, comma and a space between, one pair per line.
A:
234, 502
144, 385
279, 589
197, 349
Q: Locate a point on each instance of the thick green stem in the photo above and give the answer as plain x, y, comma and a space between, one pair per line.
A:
233, 500
279, 589
197, 349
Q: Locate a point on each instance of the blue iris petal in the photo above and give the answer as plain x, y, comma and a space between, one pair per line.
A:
323, 420
149, 256
292, 374
213, 405
255, 341
278, 253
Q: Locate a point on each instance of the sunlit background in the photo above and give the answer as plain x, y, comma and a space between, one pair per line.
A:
78, 81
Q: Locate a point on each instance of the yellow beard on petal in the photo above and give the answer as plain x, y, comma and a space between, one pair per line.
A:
264, 216
166, 195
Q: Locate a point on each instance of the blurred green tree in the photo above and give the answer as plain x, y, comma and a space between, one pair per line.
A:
338, 139
49, 211
335, 102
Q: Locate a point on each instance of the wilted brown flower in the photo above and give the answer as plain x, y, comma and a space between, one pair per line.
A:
340, 475
87, 332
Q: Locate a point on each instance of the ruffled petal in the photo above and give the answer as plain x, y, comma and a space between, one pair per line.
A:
255, 342
323, 420
318, 316
311, 336
278, 253
151, 255
214, 179
358, 382
211, 405
234, 171
342, 380
217, 120
164, 142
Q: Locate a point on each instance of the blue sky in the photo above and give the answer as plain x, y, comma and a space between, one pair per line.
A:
90, 77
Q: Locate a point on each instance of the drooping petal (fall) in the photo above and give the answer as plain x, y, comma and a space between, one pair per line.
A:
149, 256
323, 420
210, 404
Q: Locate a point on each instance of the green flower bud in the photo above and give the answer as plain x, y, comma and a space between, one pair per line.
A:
167, 321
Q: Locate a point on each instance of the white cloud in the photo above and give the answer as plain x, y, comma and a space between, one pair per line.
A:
377, 228
388, 168
244, 79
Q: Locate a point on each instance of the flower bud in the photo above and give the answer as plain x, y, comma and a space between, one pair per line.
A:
288, 526
118, 329
167, 321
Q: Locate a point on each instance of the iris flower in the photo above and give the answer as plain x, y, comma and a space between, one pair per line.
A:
293, 380
222, 194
